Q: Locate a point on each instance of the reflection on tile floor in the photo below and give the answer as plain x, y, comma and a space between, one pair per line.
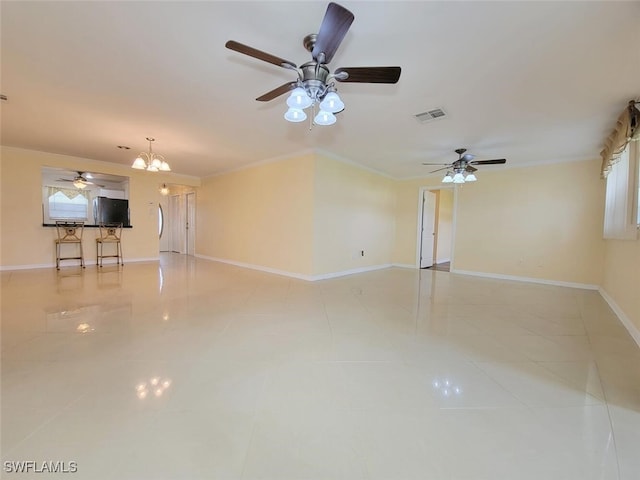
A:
195, 369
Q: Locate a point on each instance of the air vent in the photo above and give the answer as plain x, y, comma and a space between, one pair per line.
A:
431, 115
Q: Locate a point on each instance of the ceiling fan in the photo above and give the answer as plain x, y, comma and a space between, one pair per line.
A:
81, 180
315, 83
464, 164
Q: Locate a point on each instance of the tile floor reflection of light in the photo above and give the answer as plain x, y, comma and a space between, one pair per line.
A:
201, 370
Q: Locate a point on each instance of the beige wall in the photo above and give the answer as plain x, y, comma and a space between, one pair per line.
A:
261, 215
310, 215
26, 242
621, 279
354, 211
540, 222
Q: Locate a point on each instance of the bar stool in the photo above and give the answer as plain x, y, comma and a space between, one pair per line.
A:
69, 233
110, 233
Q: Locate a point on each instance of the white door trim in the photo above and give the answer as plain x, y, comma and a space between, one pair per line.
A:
419, 221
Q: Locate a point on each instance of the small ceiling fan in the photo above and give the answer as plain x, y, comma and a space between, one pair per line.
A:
315, 81
464, 164
81, 180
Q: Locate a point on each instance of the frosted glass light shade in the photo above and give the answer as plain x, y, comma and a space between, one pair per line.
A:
299, 99
447, 178
470, 178
164, 167
458, 178
332, 103
139, 164
324, 118
152, 168
295, 115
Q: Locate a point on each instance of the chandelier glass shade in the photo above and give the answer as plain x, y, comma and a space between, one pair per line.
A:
150, 161
79, 184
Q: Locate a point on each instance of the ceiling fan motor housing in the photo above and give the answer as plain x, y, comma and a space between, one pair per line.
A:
314, 78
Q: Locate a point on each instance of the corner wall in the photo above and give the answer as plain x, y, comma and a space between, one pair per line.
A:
354, 212
621, 280
261, 216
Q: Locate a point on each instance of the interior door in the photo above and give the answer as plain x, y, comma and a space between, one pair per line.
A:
175, 238
191, 223
428, 229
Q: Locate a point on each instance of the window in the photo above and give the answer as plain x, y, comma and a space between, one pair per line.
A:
66, 204
622, 215
160, 220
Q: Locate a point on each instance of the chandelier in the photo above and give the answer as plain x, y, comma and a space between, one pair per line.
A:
150, 161
315, 86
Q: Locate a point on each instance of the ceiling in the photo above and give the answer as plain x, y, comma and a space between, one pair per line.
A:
535, 82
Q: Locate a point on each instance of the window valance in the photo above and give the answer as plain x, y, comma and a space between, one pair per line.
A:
626, 130
70, 193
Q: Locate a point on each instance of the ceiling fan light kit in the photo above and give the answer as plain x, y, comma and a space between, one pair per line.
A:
151, 162
462, 170
81, 181
316, 84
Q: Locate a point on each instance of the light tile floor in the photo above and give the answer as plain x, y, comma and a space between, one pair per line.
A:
200, 370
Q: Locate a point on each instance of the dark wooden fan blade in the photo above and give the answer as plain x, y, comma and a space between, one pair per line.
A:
260, 55
334, 27
370, 74
470, 169
489, 162
276, 92
448, 164
440, 169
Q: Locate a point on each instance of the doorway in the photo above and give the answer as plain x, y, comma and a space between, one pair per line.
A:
190, 226
429, 227
176, 236
436, 228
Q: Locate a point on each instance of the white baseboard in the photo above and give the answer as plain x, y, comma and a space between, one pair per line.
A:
633, 330
404, 265
498, 276
4, 268
352, 271
299, 276
87, 263
260, 268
